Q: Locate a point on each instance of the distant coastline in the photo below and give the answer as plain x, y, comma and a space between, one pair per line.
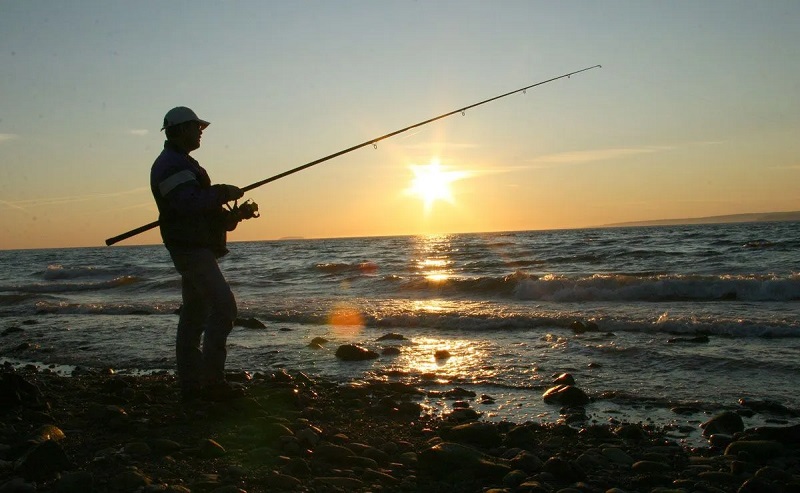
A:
731, 218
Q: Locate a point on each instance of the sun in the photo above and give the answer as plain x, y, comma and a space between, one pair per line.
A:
431, 183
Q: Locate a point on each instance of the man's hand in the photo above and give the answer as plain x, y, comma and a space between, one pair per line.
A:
228, 193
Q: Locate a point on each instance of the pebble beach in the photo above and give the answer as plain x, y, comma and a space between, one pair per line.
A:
98, 431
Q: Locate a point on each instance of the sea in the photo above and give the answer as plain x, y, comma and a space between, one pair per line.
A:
661, 325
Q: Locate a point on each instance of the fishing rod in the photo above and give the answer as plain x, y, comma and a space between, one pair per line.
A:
146, 227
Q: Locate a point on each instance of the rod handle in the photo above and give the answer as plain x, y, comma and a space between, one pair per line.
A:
133, 232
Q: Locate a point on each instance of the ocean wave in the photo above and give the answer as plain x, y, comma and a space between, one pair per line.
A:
68, 287
660, 288
666, 324
364, 267
635, 286
53, 307
57, 272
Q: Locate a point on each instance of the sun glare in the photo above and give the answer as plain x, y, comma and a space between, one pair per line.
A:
432, 182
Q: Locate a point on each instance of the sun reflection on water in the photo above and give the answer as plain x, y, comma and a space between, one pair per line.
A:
433, 257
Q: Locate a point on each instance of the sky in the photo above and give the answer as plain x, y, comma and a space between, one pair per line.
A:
695, 112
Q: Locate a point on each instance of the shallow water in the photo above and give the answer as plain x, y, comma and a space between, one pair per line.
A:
500, 303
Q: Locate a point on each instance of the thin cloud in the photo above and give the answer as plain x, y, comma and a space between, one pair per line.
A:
27, 203
7, 137
581, 157
139, 132
438, 146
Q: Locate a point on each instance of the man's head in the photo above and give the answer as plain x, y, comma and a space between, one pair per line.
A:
183, 128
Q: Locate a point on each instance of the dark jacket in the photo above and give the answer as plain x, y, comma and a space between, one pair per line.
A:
190, 209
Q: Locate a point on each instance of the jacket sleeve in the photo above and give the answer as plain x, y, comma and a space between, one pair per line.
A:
183, 193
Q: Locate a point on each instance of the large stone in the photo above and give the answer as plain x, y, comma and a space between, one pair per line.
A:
565, 395
527, 461
783, 434
563, 470
756, 449
332, 453
727, 423
453, 458
47, 432
16, 391
75, 482
352, 352
44, 461
482, 434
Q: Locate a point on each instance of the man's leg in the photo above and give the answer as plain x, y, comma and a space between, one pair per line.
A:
194, 313
201, 271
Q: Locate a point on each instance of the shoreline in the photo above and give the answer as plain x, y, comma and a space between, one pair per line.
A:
99, 431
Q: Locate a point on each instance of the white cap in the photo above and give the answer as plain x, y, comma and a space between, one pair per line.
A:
182, 114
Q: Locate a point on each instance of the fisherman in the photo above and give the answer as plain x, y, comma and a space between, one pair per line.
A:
194, 225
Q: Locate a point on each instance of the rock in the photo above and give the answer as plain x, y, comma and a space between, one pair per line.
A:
11, 330
565, 395
16, 391
210, 449
284, 481
319, 340
308, 436
771, 473
108, 414
138, 449
617, 455
766, 406
580, 327
649, 466
562, 469
382, 477
355, 461
391, 351
43, 461
335, 454
630, 432
532, 487
249, 323
448, 458
75, 482
442, 354
697, 339
352, 352
564, 379
165, 446
527, 461
376, 454
727, 423
685, 410
756, 449
47, 432
271, 432
720, 440
130, 480
515, 478
297, 467
392, 337
758, 485
18, 485
345, 483
459, 393
462, 415
783, 434
481, 434
520, 436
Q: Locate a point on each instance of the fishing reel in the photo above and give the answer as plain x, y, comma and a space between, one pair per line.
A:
239, 212
247, 210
